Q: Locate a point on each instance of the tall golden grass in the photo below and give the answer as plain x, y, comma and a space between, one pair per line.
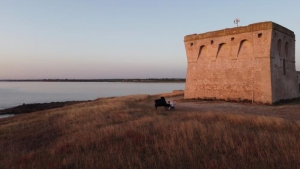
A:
126, 132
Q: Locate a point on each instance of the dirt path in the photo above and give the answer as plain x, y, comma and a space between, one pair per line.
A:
289, 111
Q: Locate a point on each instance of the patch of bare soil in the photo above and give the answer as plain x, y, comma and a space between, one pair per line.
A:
289, 110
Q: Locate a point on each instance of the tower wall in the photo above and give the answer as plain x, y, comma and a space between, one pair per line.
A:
298, 79
284, 83
232, 64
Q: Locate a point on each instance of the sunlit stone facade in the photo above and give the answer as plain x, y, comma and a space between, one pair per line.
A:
254, 63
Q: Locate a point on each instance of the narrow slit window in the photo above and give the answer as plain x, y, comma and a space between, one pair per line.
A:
286, 49
284, 71
232, 38
211, 42
279, 47
192, 44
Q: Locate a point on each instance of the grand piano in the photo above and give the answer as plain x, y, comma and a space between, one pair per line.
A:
161, 102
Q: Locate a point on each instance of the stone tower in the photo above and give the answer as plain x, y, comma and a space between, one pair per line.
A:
254, 63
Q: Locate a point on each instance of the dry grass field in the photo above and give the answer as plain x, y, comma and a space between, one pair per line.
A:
127, 132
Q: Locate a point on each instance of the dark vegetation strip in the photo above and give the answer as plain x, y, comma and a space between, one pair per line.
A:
28, 108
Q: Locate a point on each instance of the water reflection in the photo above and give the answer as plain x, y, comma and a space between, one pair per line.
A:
6, 115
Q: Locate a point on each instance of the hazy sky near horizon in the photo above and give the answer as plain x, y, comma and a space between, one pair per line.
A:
119, 38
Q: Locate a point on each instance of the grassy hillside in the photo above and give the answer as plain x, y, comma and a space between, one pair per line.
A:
127, 132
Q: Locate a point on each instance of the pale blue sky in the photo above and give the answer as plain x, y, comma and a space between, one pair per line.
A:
119, 38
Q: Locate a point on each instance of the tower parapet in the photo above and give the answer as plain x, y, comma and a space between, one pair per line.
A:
241, 29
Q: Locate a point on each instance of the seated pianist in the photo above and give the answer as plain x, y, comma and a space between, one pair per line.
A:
162, 102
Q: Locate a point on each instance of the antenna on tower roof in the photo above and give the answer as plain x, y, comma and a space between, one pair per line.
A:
236, 21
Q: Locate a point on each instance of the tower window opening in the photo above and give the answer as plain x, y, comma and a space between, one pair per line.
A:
232, 38
211, 42
259, 35
192, 44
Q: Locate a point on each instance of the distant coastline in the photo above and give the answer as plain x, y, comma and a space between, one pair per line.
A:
32, 91
97, 80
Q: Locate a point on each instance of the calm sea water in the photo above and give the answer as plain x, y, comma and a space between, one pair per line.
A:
16, 93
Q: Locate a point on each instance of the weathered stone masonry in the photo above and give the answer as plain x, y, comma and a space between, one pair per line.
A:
255, 63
